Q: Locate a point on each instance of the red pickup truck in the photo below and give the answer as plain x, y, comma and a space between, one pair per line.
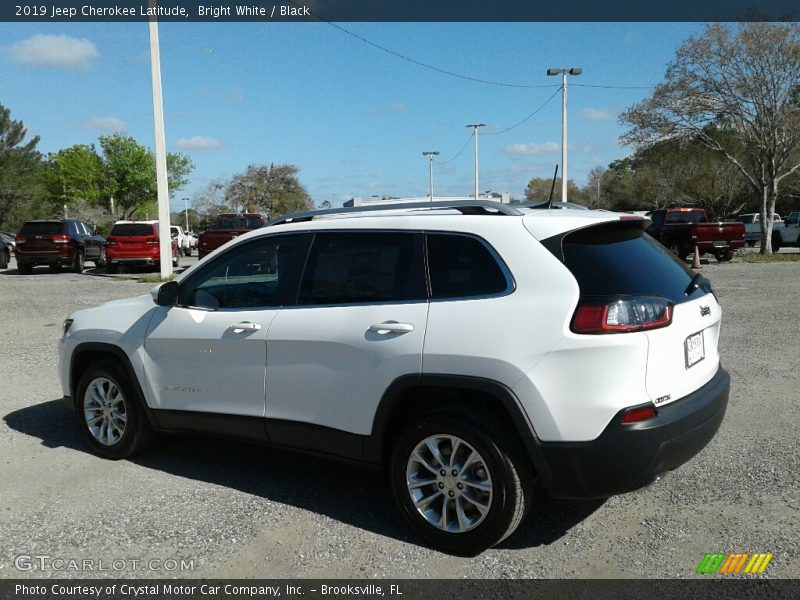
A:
227, 227
681, 229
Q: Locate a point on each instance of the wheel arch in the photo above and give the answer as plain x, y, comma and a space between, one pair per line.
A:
412, 395
88, 353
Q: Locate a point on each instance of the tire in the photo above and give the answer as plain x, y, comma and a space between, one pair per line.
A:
55, 268
24, 268
751, 243
187, 251
102, 259
777, 242
176, 261
110, 412
495, 458
79, 263
111, 268
5, 257
724, 256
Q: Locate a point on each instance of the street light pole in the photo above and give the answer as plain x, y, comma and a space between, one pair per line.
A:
430, 154
165, 254
564, 73
475, 133
186, 211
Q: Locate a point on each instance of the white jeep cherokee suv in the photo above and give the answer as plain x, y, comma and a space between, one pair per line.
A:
469, 348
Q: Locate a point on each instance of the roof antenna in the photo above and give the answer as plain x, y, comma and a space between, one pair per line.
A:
552, 187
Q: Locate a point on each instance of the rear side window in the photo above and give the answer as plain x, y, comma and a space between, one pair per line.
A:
133, 229
237, 222
461, 266
620, 259
689, 216
351, 268
41, 228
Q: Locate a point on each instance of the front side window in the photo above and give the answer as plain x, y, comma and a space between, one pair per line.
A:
370, 267
462, 266
260, 274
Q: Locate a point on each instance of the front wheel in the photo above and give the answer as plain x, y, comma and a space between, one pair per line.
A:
462, 482
101, 260
79, 262
112, 420
176, 260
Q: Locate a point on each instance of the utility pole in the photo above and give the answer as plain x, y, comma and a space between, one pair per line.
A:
475, 133
564, 72
165, 238
430, 154
186, 211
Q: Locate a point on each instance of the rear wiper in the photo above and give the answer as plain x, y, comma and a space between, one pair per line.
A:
698, 282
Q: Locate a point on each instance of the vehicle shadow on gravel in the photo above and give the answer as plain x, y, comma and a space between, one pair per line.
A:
357, 496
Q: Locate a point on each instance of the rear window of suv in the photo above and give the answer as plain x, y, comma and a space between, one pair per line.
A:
237, 223
42, 228
132, 229
620, 259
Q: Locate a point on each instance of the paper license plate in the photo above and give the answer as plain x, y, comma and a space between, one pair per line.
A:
720, 244
695, 349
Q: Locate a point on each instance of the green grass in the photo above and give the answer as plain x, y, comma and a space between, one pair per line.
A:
763, 258
156, 279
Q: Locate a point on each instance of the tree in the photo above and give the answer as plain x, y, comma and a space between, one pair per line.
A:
130, 171
732, 89
538, 190
275, 190
593, 191
210, 201
75, 176
20, 167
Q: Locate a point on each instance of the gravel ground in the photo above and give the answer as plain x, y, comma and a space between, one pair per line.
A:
238, 511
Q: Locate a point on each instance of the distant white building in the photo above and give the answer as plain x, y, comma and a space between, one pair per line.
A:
504, 198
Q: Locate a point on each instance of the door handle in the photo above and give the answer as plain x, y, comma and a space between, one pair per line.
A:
391, 327
244, 326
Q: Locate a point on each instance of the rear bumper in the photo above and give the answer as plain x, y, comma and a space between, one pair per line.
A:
627, 457
712, 247
47, 257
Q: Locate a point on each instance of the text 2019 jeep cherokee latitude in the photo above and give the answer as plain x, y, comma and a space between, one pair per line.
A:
469, 348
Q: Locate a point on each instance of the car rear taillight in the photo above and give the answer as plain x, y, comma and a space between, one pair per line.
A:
621, 315
60, 238
151, 240
20, 239
639, 414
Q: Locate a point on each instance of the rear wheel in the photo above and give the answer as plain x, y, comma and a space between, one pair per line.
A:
776, 242
724, 256
55, 268
176, 260
24, 268
79, 262
461, 481
5, 257
111, 267
112, 419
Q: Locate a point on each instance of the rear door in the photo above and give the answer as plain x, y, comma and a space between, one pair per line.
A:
133, 240
39, 237
359, 324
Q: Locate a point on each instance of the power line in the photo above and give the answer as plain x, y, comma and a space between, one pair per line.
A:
546, 102
447, 162
615, 87
432, 67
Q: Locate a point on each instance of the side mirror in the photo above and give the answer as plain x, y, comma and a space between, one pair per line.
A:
165, 294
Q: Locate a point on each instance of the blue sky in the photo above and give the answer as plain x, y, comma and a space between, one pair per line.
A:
355, 119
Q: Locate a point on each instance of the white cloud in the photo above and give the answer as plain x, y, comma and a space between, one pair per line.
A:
198, 142
543, 148
105, 123
597, 114
535, 149
61, 51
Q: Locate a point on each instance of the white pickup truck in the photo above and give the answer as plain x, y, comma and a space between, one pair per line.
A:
184, 242
752, 227
789, 234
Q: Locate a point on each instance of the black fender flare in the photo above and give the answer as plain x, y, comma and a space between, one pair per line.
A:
123, 359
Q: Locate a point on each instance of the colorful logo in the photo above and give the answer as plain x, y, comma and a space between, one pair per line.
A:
734, 563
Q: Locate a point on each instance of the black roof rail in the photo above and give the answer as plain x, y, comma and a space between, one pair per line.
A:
466, 207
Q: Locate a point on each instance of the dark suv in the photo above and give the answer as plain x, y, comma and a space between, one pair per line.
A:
57, 243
